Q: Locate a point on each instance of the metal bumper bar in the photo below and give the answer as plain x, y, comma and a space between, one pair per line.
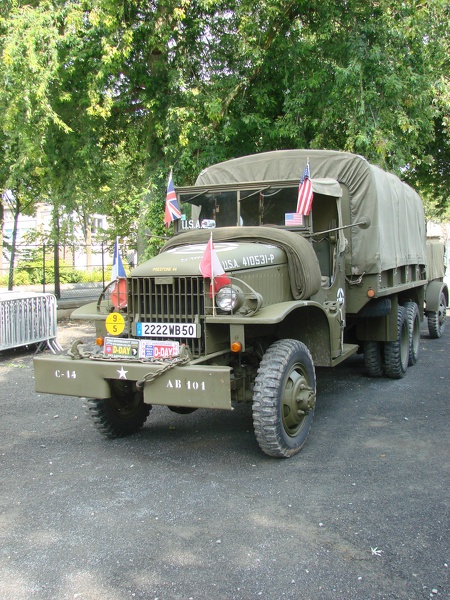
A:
196, 386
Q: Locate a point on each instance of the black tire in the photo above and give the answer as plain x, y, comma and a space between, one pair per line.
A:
182, 410
378, 307
122, 414
396, 354
373, 359
437, 319
413, 318
284, 398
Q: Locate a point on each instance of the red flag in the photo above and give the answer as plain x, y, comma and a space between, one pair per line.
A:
211, 268
118, 293
305, 192
172, 211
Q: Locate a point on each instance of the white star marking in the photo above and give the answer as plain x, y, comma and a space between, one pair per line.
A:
122, 373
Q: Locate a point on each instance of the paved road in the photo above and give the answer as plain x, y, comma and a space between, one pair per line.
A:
191, 509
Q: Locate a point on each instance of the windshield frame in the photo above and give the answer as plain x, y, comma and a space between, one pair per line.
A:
243, 191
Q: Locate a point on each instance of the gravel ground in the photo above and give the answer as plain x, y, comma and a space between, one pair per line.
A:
189, 508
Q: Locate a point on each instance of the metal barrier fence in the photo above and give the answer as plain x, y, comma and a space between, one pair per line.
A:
79, 279
27, 318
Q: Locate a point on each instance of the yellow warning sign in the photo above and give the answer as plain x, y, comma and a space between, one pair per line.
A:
115, 323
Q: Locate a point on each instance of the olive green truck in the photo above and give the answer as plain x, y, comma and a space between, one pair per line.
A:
295, 291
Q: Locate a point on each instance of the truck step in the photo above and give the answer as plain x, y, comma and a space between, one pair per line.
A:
348, 350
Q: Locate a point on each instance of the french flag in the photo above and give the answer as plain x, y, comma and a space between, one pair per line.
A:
211, 268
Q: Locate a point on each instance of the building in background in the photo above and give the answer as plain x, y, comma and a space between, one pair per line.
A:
73, 248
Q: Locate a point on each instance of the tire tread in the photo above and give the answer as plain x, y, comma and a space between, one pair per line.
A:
265, 400
109, 423
394, 361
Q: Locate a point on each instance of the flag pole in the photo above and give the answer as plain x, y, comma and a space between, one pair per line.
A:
116, 258
212, 277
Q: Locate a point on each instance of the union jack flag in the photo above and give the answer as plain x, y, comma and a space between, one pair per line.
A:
172, 211
305, 192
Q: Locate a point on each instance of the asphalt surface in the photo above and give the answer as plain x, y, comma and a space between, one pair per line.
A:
190, 508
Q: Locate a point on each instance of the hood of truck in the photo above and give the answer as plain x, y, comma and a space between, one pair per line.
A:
233, 256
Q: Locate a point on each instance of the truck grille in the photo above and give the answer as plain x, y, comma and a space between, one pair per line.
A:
169, 300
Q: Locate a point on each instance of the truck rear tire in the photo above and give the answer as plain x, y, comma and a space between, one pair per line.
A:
396, 354
122, 414
373, 359
437, 319
413, 318
284, 398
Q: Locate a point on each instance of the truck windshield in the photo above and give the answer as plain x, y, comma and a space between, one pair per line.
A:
266, 206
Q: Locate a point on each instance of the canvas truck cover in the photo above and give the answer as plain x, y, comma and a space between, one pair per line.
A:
435, 259
396, 235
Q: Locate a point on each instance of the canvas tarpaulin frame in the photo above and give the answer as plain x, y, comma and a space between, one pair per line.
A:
396, 235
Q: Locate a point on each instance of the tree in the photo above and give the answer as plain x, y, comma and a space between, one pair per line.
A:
430, 172
29, 63
29, 60
101, 98
431, 175
19, 201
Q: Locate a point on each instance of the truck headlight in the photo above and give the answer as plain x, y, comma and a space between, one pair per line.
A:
229, 298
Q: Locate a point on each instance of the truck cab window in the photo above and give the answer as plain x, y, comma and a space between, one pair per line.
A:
325, 217
268, 206
220, 207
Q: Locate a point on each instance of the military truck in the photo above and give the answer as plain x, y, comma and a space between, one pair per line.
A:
302, 290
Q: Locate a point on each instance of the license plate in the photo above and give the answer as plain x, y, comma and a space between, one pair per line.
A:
157, 349
170, 330
119, 347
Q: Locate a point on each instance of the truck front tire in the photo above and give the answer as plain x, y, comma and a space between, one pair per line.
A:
122, 414
284, 398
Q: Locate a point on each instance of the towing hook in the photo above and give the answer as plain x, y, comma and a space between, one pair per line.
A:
75, 352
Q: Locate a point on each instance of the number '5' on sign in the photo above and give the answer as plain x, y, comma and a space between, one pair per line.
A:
115, 323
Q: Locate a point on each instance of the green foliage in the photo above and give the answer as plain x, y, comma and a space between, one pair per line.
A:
431, 175
153, 204
33, 271
100, 99
29, 62
20, 278
92, 276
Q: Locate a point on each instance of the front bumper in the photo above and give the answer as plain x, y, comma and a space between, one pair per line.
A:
195, 386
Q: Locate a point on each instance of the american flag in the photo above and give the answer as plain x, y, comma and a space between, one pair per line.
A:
293, 219
305, 192
172, 211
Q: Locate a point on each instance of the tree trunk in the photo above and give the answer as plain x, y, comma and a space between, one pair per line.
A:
88, 238
56, 253
13, 245
2, 222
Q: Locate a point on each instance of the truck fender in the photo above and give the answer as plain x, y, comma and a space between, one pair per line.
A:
88, 312
433, 294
